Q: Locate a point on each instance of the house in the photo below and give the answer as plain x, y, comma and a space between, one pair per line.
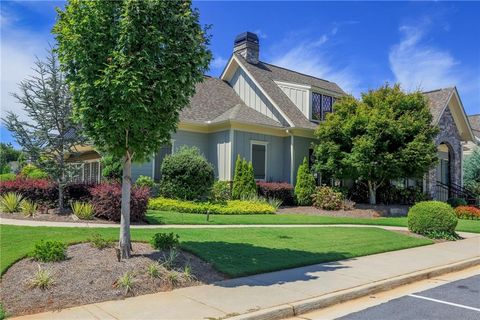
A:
268, 114
475, 125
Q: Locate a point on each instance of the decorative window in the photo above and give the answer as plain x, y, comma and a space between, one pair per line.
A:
321, 105
259, 160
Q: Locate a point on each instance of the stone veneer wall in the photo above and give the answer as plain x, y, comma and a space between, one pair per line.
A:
449, 135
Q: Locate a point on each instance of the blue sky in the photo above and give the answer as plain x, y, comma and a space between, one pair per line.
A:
359, 45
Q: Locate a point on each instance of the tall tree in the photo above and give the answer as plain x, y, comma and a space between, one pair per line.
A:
471, 171
132, 66
386, 135
49, 134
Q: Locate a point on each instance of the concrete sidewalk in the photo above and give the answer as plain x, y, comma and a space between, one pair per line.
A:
290, 292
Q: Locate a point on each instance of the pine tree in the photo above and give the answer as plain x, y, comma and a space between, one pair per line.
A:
237, 179
305, 186
250, 186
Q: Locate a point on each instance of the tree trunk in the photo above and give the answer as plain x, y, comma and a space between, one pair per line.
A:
372, 192
124, 243
61, 184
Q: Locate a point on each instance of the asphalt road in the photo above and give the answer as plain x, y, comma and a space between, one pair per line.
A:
458, 300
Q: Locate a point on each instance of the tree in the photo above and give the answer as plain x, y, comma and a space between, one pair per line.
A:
250, 190
386, 135
132, 67
7, 154
237, 179
471, 171
111, 167
49, 134
305, 186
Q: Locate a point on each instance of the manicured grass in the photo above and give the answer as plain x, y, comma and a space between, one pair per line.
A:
162, 217
232, 251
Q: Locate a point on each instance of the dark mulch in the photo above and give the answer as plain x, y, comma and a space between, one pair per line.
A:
89, 275
50, 216
355, 213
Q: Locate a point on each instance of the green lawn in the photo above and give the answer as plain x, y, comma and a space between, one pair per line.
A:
162, 217
232, 251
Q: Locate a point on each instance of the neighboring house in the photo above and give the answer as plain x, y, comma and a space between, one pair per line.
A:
268, 114
475, 125
84, 164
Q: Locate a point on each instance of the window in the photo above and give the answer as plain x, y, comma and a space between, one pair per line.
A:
259, 160
321, 105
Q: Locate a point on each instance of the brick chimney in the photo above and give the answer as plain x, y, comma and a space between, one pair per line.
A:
247, 45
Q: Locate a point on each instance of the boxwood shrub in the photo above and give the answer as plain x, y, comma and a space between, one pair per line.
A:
227, 207
432, 217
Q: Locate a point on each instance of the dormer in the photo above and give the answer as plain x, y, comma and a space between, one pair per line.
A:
314, 102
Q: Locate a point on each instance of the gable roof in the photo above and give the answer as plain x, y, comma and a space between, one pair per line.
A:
475, 124
215, 101
438, 100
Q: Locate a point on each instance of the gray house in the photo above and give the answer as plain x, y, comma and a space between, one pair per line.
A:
268, 114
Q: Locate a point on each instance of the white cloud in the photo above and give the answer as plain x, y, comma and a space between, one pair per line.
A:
260, 34
312, 57
218, 62
417, 65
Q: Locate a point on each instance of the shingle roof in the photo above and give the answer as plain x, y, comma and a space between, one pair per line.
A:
437, 100
475, 124
215, 101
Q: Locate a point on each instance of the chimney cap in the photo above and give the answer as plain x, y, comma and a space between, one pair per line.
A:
246, 37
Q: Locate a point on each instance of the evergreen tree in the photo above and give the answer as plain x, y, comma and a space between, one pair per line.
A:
237, 179
305, 186
250, 186
471, 171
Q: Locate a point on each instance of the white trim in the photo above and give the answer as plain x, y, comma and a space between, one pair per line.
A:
260, 143
293, 85
292, 158
231, 157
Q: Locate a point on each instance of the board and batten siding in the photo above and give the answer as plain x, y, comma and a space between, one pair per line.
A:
276, 169
299, 96
219, 154
253, 97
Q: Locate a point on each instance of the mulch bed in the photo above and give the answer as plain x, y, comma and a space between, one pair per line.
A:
89, 275
51, 216
355, 213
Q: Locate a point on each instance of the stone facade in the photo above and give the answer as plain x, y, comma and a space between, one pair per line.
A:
449, 136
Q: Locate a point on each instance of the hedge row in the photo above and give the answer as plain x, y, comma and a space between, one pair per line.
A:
225, 208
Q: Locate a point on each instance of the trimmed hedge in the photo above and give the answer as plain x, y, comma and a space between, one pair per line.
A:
106, 201
41, 191
7, 176
467, 212
429, 217
277, 190
228, 207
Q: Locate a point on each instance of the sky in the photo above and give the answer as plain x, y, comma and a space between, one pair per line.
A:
358, 45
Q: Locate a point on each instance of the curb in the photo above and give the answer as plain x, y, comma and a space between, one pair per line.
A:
308, 305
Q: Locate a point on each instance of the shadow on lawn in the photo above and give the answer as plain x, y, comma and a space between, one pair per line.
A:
244, 259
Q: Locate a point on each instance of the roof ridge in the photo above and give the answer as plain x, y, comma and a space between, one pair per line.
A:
301, 73
439, 89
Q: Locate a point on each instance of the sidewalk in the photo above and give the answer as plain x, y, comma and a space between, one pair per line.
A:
280, 294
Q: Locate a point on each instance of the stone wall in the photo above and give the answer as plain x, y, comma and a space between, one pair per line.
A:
450, 136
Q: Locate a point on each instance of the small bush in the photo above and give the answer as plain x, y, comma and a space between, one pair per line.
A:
10, 202
29, 208
106, 201
305, 186
328, 199
186, 175
7, 177
42, 279
170, 259
467, 212
228, 207
277, 190
41, 191
147, 182
153, 270
221, 191
99, 242
126, 282
164, 241
32, 172
455, 202
82, 210
49, 251
78, 191
430, 217
244, 185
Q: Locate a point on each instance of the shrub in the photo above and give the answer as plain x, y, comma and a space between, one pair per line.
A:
277, 190
41, 191
164, 241
186, 174
221, 191
428, 217
97, 241
7, 177
328, 199
49, 251
170, 259
106, 201
455, 202
32, 172
153, 270
467, 212
28, 207
228, 207
111, 167
305, 186
42, 279
10, 202
126, 282
244, 186
237, 179
147, 182
78, 191
83, 210
471, 172
387, 194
